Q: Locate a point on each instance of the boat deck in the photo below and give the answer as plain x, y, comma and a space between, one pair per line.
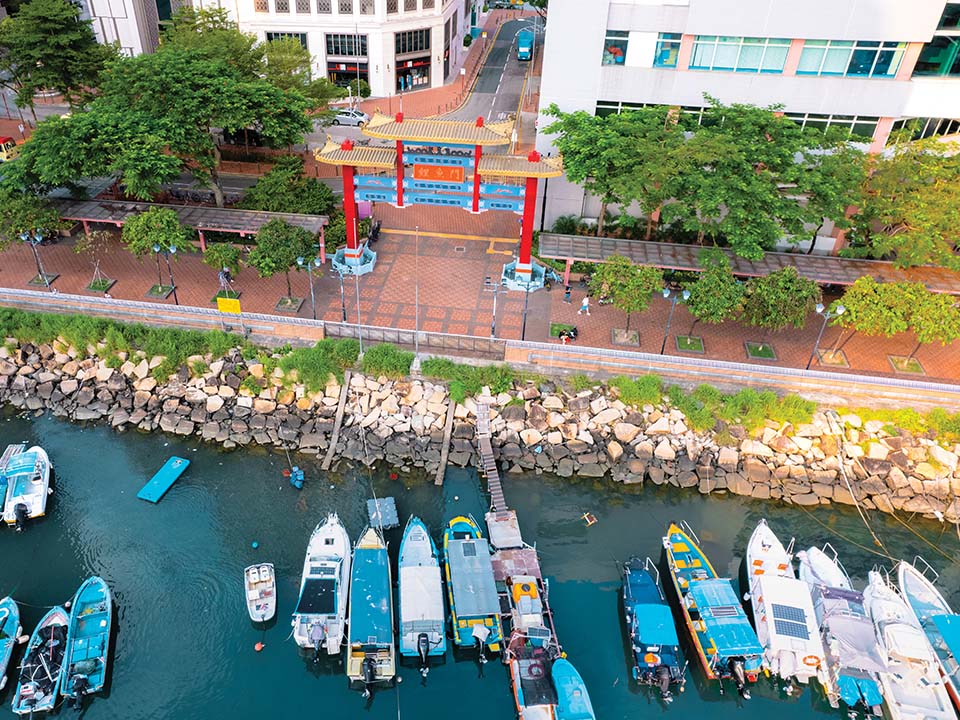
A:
504, 529
518, 561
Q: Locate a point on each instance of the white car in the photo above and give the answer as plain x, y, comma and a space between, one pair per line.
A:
351, 117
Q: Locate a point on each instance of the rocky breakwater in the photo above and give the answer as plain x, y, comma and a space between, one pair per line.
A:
536, 427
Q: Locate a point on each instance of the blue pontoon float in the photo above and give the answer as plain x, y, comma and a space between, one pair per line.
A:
163, 480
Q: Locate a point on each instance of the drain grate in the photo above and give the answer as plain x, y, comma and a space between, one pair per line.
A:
460, 249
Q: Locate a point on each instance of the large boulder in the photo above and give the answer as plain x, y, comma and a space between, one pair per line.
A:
625, 432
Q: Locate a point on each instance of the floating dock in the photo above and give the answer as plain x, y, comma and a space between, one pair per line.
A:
163, 480
382, 513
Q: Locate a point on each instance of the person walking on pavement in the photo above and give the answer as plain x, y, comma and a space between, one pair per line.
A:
584, 306
566, 294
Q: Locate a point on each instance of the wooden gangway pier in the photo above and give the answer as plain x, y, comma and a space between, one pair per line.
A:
488, 463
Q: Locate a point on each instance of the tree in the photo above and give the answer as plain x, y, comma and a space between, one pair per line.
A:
48, 47
629, 286
910, 208
935, 318
154, 231
287, 66
22, 212
359, 88
223, 255
779, 299
540, 6
715, 296
212, 35
279, 244
285, 189
97, 244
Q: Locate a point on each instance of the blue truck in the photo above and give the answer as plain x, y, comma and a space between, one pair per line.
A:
525, 45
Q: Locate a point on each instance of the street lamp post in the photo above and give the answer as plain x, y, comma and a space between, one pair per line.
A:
492, 287
33, 238
343, 304
416, 293
526, 299
827, 316
172, 250
310, 265
673, 306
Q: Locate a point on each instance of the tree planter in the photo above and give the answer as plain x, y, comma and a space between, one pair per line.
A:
39, 281
833, 358
621, 336
159, 292
229, 294
760, 351
689, 343
288, 305
906, 365
101, 285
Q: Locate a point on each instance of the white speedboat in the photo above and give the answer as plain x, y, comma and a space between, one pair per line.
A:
260, 585
912, 686
28, 485
854, 660
320, 617
940, 624
782, 611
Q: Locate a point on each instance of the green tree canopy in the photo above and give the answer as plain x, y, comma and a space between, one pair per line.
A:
910, 209
223, 255
156, 226
212, 35
287, 66
279, 244
22, 212
715, 296
46, 46
285, 189
629, 286
779, 299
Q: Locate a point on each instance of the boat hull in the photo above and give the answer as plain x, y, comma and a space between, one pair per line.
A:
260, 584
88, 645
371, 612
573, 700
42, 665
319, 620
421, 593
9, 632
28, 488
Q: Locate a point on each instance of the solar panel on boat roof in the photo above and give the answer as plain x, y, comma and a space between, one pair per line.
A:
790, 621
788, 612
724, 611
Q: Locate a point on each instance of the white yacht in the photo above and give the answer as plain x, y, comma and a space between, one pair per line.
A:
320, 617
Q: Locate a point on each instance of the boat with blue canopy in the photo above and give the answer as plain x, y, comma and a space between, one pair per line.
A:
573, 700
28, 485
370, 651
9, 632
725, 643
471, 587
939, 623
88, 640
39, 682
422, 615
657, 657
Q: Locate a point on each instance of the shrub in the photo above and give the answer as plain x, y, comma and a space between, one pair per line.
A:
499, 378
566, 225
387, 359
315, 365
580, 382
644, 390
467, 40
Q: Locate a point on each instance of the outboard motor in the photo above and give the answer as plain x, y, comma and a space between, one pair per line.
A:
423, 652
480, 634
80, 685
739, 677
20, 513
369, 670
663, 682
318, 634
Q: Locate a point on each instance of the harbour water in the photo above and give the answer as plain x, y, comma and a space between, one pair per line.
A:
184, 646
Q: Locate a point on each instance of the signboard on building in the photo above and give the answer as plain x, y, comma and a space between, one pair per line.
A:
438, 173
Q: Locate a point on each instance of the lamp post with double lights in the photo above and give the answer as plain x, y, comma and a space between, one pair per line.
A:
33, 238
827, 316
310, 265
167, 252
492, 287
673, 297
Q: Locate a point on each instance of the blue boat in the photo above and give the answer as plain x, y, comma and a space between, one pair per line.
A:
726, 644
88, 641
471, 588
573, 700
8, 454
657, 657
9, 632
164, 479
370, 652
422, 616
40, 670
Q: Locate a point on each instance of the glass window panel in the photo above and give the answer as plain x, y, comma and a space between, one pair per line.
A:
816, 124
865, 128
751, 41
428, 4
810, 60
367, 7
750, 58
725, 57
615, 49
261, 6
392, 7
409, 5
861, 62
950, 20
324, 7
886, 63
702, 56
835, 61
868, 44
774, 59
283, 6
303, 6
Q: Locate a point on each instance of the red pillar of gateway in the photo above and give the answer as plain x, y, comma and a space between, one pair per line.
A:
399, 169
526, 227
477, 154
350, 214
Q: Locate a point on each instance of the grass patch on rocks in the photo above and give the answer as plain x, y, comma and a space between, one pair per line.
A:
386, 359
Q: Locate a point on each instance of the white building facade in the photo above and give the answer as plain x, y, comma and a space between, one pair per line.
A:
869, 65
394, 45
132, 24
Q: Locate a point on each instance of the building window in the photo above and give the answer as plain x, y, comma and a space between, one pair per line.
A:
261, 6
283, 6
668, 48
409, 5
739, 54
615, 47
301, 37
863, 58
344, 73
347, 45
392, 7
940, 56
428, 4
857, 125
303, 7
367, 7
615, 107
950, 20
928, 127
412, 41
324, 7
345, 7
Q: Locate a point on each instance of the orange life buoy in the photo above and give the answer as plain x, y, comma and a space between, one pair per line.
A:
651, 659
811, 661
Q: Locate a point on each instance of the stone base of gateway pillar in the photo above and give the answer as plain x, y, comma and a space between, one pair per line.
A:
354, 262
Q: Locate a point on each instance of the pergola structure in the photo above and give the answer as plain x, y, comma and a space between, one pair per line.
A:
440, 162
241, 222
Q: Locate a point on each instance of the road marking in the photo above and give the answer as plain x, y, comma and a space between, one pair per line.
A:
451, 236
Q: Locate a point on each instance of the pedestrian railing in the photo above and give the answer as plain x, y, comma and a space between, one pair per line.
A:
425, 342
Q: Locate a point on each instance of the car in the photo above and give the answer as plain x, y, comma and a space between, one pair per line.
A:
351, 117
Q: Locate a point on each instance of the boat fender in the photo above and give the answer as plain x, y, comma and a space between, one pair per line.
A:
535, 670
258, 647
811, 661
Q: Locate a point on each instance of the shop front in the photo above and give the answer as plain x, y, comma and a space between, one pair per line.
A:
413, 73
342, 72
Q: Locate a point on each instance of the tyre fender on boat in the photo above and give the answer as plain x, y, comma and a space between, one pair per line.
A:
811, 661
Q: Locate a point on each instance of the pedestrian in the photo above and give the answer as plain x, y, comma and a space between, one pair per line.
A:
566, 294
584, 306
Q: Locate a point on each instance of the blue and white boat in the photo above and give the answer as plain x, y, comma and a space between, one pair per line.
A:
9, 632
320, 618
39, 682
8, 454
657, 657
471, 588
88, 640
28, 485
573, 700
370, 650
852, 658
422, 616
725, 643
940, 624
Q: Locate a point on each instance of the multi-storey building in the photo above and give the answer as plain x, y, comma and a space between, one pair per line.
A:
867, 65
132, 24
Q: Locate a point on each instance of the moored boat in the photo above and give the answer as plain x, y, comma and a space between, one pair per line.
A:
9, 633
8, 453
852, 657
471, 588
940, 624
783, 611
28, 483
573, 700
88, 640
42, 664
657, 657
370, 650
260, 585
422, 616
532, 649
912, 686
725, 643
321, 613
